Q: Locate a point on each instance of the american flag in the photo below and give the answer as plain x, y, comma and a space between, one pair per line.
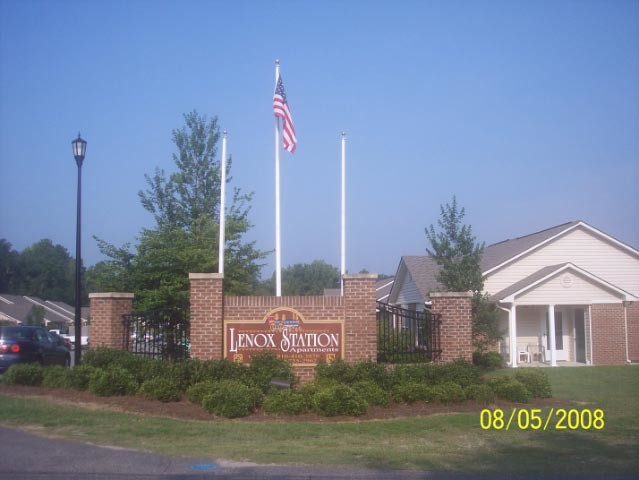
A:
280, 107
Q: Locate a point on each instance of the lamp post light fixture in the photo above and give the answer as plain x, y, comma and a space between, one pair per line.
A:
79, 150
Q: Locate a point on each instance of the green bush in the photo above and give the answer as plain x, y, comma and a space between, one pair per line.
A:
112, 381
196, 393
339, 400
24, 374
372, 393
266, 366
448, 392
215, 370
460, 372
481, 394
536, 381
488, 360
162, 389
510, 389
287, 402
56, 377
80, 376
232, 399
411, 392
104, 358
337, 370
309, 389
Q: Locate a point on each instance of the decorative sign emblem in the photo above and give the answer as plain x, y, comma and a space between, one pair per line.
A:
285, 333
566, 281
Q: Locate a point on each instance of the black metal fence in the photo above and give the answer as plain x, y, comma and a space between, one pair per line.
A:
162, 333
407, 336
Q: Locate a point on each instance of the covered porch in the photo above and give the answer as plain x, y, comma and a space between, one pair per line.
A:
562, 315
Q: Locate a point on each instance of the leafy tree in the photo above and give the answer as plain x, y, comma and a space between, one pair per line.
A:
35, 317
186, 209
304, 279
9, 260
457, 252
47, 271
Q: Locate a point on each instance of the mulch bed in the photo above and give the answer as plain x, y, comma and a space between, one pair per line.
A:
189, 411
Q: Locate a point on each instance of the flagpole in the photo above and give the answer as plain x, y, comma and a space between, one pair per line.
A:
343, 263
278, 247
220, 265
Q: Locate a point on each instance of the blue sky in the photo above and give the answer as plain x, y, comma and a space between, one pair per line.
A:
527, 111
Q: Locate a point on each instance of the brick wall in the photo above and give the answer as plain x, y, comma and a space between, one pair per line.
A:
456, 333
608, 334
107, 310
356, 309
206, 316
633, 331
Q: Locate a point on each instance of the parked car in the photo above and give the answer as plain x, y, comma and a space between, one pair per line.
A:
61, 338
31, 345
70, 339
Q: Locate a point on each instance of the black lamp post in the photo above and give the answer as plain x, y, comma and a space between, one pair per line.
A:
79, 149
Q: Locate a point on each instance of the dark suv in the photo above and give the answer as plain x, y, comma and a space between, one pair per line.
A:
31, 344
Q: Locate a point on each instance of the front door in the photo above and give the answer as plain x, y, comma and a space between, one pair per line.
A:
560, 344
580, 336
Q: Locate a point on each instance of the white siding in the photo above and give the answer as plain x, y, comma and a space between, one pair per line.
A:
567, 288
582, 248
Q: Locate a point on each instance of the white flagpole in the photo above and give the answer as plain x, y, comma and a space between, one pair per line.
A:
220, 265
343, 263
278, 247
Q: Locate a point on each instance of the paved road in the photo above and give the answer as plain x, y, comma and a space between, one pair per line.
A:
27, 456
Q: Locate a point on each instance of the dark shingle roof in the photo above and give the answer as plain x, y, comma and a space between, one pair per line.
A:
498, 253
424, 270
384, 288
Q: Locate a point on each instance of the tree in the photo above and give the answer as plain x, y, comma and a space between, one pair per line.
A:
46, 270
456, 251
186, 209
9, 260
304, 279
35, 317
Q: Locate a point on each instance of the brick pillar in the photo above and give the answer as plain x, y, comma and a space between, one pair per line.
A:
107, 311
207, 322
360, 317
456, 333
608, 334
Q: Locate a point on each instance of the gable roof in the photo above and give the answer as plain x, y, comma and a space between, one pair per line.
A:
545, 273
17, 308
383, 289
424, 270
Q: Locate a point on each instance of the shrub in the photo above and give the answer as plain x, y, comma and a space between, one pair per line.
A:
536, 381
104, 358
339, 400
287, 402
112, 381
196, 393
24, 374
481, 394
448, 392
80, 376
460, 372
510, 389
488, 360
372, 393
215, 370
162, 389
266, 366
56, 377
337, 370
308, 390
411, 392
231, 399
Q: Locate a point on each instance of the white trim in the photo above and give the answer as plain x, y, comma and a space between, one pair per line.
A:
6, 300
49, 308
563, 232
627, 296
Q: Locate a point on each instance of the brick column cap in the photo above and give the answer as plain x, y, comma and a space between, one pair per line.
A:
350, 276
111, 295
467, 294
206, 276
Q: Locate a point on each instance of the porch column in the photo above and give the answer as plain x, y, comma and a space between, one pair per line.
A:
512, 330
551, 335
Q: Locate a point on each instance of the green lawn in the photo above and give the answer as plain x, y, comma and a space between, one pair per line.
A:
442, 443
